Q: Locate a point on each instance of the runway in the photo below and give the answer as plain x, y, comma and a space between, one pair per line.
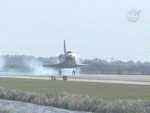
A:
110, 79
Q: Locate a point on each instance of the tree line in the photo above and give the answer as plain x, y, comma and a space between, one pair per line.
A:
23, 63
98, 66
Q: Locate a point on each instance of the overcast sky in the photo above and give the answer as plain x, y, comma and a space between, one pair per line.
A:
92, 28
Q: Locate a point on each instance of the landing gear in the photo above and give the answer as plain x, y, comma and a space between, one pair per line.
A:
74, 73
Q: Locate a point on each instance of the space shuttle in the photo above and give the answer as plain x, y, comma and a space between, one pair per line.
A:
67, 59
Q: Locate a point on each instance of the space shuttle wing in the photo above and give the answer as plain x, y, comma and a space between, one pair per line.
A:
53, 65
63, 65
81, 65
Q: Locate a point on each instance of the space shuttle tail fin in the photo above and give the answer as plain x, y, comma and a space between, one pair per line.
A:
65, 47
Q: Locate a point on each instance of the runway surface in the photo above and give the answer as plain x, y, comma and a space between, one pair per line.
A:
113, 79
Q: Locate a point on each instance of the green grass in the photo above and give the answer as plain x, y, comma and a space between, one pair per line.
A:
114, 98
5, 111
106, 91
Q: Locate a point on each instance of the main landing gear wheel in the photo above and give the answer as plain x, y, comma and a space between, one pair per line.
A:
74, 73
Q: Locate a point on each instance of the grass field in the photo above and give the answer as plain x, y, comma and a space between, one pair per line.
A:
106, 91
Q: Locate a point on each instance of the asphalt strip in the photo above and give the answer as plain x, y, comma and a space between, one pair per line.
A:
130, 82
